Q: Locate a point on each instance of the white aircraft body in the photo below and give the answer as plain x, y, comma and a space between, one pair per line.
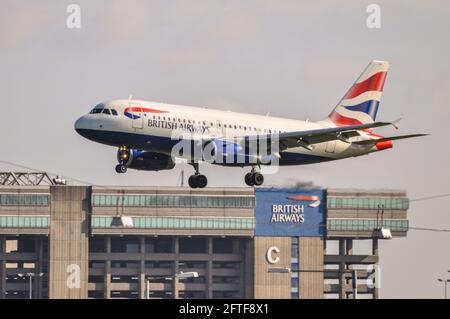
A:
147, 133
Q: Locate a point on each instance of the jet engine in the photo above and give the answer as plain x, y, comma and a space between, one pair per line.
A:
143, 160
228, 153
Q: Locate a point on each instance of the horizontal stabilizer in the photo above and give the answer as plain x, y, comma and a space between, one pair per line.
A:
384, 139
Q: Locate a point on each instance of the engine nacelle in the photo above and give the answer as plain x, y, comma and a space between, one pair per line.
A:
144, 160
228, 153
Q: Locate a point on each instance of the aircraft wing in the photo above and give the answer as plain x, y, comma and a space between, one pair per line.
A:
307, 138
384, 139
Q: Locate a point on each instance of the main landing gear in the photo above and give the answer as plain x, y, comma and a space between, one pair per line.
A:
254, 178
197, 180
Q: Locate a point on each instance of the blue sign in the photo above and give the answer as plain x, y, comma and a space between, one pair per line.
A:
290, 212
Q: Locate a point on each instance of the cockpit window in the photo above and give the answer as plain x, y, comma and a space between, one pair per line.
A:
97, 109
100, 108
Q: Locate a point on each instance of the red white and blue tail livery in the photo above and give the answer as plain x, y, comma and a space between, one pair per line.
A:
360, 104
147, 133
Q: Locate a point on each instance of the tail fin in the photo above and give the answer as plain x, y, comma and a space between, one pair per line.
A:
360, 104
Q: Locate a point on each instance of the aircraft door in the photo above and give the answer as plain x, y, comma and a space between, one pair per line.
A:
137, 116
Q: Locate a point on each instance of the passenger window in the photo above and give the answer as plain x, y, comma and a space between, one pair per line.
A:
114, 112
106, 111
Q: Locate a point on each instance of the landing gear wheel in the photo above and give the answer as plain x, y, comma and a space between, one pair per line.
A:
192, 181
197, 181
201, 181
121, 169
248, 179
258, 179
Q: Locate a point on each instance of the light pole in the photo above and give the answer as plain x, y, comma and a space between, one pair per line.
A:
181, 275
352, 271
30, 276
445, 281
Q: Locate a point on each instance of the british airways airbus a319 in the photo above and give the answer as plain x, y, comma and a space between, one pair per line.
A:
147, 133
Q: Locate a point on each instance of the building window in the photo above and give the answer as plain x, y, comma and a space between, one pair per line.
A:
181, 222
126, 244
226, 294
158, 264
97, 244
187, 265
367, 203
366, 224
95, 294
96, 264
96, 279
159, 245
172, 201
24, 221
193, 245
225, 265
192, 294
222, 245
25, 199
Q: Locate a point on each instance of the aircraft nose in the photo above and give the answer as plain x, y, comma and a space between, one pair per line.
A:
83, 126
80, 124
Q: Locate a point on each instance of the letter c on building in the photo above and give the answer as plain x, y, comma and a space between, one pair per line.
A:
269, 255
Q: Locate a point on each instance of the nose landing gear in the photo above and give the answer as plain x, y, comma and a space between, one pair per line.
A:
254, 178
123, 156
121, 169
197, 180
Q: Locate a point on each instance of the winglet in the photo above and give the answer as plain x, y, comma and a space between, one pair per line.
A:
394, 123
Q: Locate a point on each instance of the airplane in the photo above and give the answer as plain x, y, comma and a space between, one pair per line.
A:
146, 133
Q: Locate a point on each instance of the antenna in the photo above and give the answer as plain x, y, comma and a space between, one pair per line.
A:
130, 97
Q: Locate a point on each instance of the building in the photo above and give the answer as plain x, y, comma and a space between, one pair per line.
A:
134, 242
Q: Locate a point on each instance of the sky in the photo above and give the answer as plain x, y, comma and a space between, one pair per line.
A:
292, 59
